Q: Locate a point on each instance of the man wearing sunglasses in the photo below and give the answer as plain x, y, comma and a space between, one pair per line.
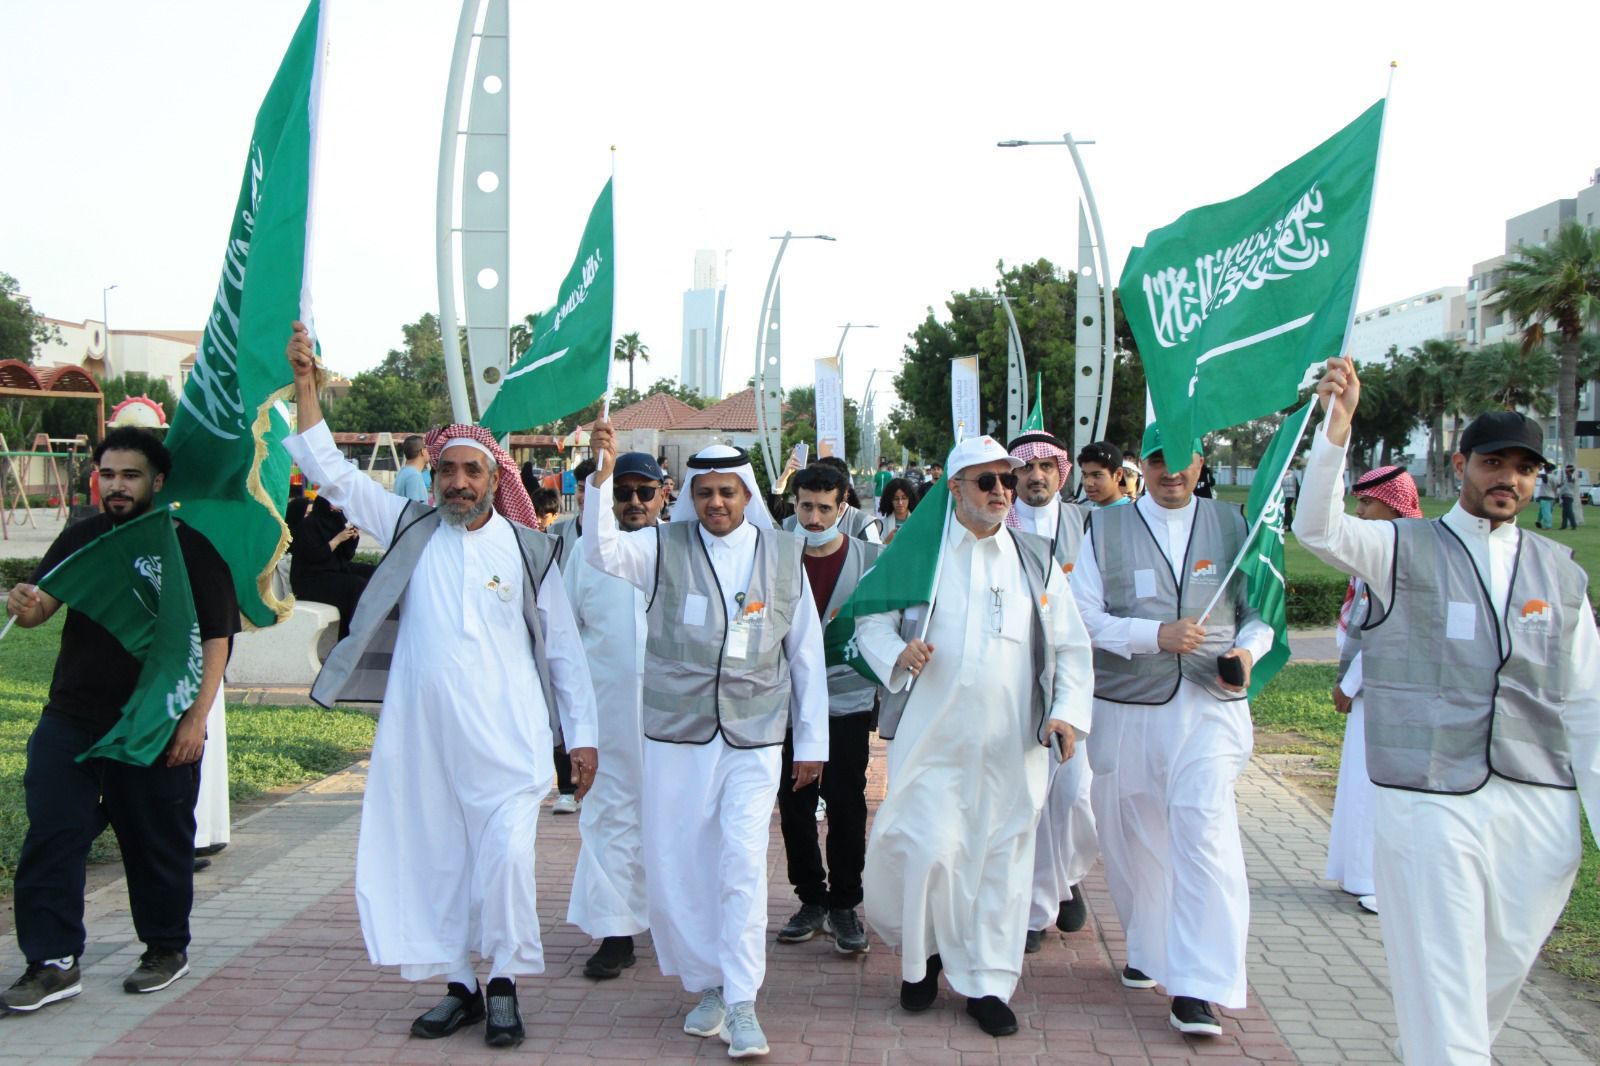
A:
1171, 735
976, 691
608, 886
733, 651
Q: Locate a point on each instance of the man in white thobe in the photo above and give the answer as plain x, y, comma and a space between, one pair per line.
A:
211, 810
1483, 724
733, 657
1001, 667
1171, 736
484, 642
608, 887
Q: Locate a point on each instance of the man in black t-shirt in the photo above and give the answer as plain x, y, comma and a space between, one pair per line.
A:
69, 803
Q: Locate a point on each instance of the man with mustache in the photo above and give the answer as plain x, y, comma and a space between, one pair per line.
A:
152, 808
1171, 734
977, 691
608, 887
733, 653
1480, 657
481, 670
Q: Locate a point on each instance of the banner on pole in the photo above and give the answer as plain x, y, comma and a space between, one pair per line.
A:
830, 409
964, 397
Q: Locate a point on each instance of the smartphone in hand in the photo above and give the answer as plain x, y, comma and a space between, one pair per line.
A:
1231, 669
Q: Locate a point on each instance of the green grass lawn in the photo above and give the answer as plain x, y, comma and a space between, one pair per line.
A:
268, 747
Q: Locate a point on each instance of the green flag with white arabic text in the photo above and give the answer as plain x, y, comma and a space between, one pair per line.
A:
569, 362
133, 582
1235, 303
1262, 559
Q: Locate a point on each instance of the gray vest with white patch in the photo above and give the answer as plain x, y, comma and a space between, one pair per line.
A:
848, 691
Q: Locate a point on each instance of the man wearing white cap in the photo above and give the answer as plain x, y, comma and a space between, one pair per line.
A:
1067, 846
733, 651
1001, 668
1171, 734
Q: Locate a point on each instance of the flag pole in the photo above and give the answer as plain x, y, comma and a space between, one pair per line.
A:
938, 570
611, 362
9, 623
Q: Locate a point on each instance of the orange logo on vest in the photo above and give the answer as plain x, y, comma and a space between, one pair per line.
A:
1204, 568
1535, 607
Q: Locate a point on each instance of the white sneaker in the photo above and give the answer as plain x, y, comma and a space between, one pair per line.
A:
566, 803
706, 1019
1368, 904
742, 1033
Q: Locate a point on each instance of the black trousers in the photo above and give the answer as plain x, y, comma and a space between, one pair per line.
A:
69, 804
1569, 518
563, 761
844, 787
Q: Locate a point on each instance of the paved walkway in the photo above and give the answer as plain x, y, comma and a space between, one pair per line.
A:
280, 974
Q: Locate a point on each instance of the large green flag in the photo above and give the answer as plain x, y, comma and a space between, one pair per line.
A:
903, 577
1234, 303
1262, 559
134, 583
569, 362
227, 470
1035, 422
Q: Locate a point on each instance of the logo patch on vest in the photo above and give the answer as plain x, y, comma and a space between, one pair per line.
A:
1202, 570
1066, 568
1535, 615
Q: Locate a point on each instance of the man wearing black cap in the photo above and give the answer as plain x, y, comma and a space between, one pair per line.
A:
1483, 724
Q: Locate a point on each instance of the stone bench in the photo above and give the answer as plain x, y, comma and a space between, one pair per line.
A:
289, 653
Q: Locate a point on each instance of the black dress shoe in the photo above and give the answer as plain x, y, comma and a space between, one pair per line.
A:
458, 1007
919, 995
503, 1026
1074, 913
992, 1015
209, 849
1193, 1017
1034, 942
201, 864
614, 956
1132, 978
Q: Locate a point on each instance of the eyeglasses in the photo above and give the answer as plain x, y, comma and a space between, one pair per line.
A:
985, 482
624, 493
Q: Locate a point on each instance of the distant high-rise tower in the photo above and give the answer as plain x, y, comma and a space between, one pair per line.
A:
702, 328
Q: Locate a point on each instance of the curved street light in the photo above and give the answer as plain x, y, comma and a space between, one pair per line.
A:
769, 401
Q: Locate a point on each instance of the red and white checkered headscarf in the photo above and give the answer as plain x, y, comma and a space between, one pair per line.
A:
510, 497
1391, 485
1027, 448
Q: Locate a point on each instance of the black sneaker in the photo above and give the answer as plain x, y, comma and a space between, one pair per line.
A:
614, 956
157, 970
1193, 1017
504, 1024
41, 983
919, 995
1074, 913
849, 936
807, 922
992, 1015
458, 1008
1034, 942
1132, 978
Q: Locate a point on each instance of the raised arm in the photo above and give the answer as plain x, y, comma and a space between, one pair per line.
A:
630, 556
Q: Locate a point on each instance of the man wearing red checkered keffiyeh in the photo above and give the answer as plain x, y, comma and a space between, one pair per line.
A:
510, 497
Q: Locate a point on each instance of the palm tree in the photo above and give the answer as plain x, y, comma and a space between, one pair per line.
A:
522, 334
1431, 377
1556, 284
627, 350
1507, 375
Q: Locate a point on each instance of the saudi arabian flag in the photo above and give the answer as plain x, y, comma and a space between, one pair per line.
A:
1262, 559
134, 583
904, 576
568, 365
1035, 422
227, 469
1235, 303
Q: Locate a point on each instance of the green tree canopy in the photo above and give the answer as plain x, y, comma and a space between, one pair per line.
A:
1432, 379
1385, 419
21, 328
380, 401
1510, 376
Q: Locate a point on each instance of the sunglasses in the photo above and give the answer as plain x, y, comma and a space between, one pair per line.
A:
985, 482
624, 493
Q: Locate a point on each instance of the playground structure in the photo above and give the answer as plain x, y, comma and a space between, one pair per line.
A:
49, 464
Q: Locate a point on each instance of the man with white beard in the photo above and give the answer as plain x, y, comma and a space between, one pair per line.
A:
608, 886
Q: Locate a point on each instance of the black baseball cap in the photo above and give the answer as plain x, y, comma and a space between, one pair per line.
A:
639, 463
1495, 431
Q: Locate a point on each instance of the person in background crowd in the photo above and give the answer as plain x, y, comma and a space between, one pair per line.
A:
568, 531
1544, 494
895, 504
1291, 493
1206, 486
413, 480
1132, 479
547, 505
880, 484
1567, 490
935, 470
322, 565
569, 489
914, 474
1101, 475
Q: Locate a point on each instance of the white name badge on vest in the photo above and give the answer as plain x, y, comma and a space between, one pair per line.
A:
1461, 621
741, 630
1144, 584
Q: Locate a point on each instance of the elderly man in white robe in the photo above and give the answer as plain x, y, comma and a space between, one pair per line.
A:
483, 665
734, 658
976, 696
608, 887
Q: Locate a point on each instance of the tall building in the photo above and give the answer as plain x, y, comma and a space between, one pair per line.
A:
1404, 324
702, 328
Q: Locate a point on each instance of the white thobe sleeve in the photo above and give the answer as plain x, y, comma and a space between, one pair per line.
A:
873, 536
1126, 637
878, 637
569, 668
366, 504
630, 556
1365, 549
1350, 684
1581, 715
808, 674
1073, 699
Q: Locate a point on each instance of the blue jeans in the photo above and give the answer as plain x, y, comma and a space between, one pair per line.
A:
1546, 514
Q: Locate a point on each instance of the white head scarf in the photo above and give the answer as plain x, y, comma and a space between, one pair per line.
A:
722, 459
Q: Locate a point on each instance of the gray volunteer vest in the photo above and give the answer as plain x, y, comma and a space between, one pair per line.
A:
848, 691
854, 522
357, 671
1124, 544
566, 537
695, 690
1034, 555
1360, 611
1444, 714
1069, 536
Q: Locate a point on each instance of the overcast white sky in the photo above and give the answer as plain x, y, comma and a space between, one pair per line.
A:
125, 127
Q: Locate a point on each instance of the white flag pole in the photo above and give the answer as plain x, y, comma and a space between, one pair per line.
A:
938, 570
605, 401
9, 623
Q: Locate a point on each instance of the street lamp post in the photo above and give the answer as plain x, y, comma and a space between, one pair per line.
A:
769, 395
105, 325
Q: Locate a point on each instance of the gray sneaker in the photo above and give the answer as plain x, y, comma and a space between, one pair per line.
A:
849, 938
41, 983
743, 1033
808, 921
157, 970
706, 1019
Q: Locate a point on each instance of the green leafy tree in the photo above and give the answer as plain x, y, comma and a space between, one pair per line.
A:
629, 350
380, 401
1508, 375
21, 328
522, 335
1555, 289
1385, 419
1431, 377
